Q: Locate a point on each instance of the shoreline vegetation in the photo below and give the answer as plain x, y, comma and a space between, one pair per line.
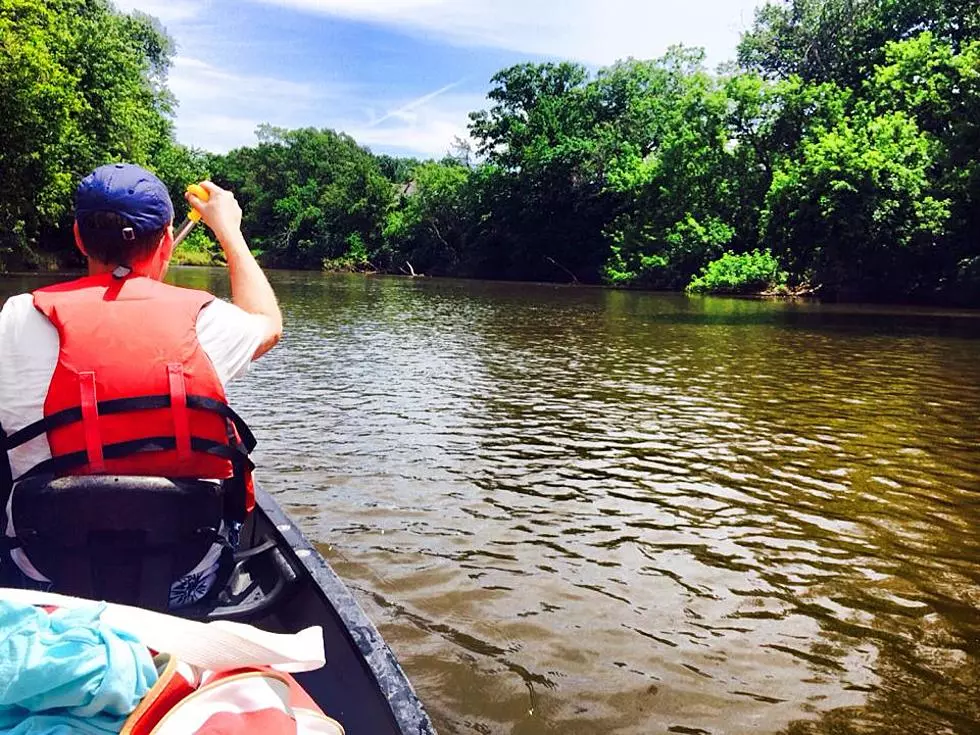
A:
838, 156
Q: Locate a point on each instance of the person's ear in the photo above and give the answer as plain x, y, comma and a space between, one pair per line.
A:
164, 251
167, 243
78, 239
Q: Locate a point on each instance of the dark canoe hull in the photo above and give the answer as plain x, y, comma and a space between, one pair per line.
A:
362, 686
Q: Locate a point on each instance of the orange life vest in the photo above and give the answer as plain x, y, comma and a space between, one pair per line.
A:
133, 392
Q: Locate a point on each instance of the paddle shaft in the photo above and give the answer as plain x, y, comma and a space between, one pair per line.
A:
193, 217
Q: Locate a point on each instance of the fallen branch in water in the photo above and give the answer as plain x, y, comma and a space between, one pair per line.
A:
804, 289
559, 265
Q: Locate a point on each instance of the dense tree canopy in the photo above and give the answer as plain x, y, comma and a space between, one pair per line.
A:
846, 144
673, 166
843, 40
80, 84
307, 195
840, 154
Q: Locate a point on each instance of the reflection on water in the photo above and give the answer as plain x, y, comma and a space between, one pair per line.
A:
581, 511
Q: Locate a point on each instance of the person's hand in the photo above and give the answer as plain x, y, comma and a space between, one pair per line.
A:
221, 212
250, 289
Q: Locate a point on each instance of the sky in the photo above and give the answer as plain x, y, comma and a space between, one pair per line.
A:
399, 76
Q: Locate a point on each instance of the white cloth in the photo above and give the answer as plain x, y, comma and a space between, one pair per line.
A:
219, 645
29, 348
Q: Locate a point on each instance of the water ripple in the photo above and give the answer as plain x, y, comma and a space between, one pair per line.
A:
579, 511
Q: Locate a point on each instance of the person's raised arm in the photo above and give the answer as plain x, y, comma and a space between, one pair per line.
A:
250, 290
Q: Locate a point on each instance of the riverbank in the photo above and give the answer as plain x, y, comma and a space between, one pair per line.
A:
801, 292
196, 258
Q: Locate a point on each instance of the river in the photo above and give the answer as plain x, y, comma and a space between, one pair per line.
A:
582, 511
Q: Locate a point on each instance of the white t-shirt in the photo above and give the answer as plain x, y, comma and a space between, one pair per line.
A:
29, 348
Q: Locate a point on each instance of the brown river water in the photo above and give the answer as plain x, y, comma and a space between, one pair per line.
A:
582, 511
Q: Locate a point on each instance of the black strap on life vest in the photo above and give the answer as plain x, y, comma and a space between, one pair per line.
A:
236, 489
66, 462
121, 405
6, 482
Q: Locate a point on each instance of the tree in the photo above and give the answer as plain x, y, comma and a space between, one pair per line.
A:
880, 198
939, 88
305, 194
856, 212
543, 195
842, 40
396, 169
534, 118
435, 224
670, 158
80, 85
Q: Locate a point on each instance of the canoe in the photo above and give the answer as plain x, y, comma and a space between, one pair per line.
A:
279, 581
283, 584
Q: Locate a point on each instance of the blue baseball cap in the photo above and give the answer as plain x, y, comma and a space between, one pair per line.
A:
131, 192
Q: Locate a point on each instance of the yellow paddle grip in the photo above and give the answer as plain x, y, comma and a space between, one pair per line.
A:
201, 193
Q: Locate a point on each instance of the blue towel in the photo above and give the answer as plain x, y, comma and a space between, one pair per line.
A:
67, 672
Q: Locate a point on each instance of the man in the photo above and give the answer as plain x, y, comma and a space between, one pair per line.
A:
121, 335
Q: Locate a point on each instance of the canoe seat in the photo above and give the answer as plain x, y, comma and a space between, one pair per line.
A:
117, 538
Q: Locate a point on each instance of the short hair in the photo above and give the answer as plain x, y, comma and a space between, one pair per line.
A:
103, 243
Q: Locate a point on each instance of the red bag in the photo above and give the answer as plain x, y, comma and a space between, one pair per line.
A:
259, 701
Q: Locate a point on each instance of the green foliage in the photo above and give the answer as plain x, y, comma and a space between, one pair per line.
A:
879, 198
748, 273
939, 88
535, 116
353, 261
674, 168
198, 249
397, 170
843, 40
433, 225
305, 193
542, 204
80, 85
875, 188
856, 210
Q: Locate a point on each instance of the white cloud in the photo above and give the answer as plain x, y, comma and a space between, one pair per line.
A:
424, 127
593, 31
406, 112
219, 110
193, 80
217, 133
